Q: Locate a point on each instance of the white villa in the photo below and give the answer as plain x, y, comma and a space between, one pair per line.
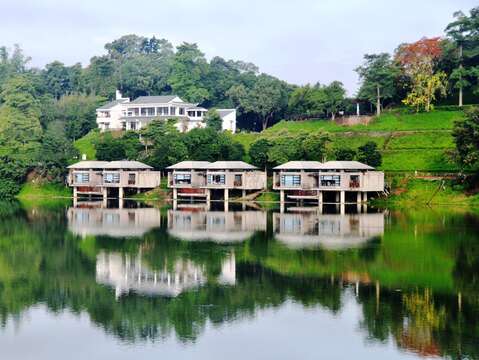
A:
123, 114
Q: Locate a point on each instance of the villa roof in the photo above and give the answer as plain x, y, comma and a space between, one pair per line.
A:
220, 165
345, 165
300, 165
190, 165
111, 104
224, 112
88, 165
126, 164
163, 99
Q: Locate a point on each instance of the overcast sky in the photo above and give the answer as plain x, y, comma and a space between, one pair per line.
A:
300, 41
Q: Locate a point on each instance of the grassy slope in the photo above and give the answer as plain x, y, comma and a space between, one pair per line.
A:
408, 142
85, 144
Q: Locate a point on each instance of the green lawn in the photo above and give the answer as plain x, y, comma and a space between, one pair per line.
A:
391, 121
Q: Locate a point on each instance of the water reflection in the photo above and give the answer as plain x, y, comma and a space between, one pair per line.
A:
127, 274
416, 290
218, 226
309, 228
95, 218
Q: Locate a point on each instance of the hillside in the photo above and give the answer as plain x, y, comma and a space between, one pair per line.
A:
408, 142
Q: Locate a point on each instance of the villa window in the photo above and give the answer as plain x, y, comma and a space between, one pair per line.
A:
162, 111
330, 180
199, 114
291, 180
111, 178
149, 111
191, 113
216, 179
133, 111
172, 111
182, 179
132, 126
182, 111
82, 178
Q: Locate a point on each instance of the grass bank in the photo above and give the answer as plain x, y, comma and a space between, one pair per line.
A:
410, 192
31, 190
408, 142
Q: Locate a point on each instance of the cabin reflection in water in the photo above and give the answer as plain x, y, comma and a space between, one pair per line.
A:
127, 273
216, 226
329, 231
95, 220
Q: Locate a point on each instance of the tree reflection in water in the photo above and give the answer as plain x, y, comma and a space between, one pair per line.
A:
413, 275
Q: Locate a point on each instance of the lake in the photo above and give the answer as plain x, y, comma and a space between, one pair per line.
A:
123, 281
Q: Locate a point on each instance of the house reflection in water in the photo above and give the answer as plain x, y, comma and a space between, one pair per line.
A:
124, 222
329, 231
127, 273
216, 226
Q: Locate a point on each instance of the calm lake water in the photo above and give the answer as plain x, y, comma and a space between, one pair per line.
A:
89, 282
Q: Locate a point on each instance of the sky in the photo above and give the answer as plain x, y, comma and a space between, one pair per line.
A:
300, 41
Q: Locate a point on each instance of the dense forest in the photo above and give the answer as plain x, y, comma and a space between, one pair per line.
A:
43, 111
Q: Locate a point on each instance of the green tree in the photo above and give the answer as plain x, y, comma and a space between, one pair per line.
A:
464, 32
314, 146
266, 98
214, 120
208, 145
78, 114
466, 138
258, 153
369, 154
110, 149
286, 146
189, 70
334, 97
55, 153
378, 74
344, 154
60, 80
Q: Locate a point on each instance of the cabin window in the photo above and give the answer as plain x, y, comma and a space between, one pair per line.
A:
330, 180
182, 179
290, 180
82, 178
238, 180
354, 181
111, 178
131, 179
216, 179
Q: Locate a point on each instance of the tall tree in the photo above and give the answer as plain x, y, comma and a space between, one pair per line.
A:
377, 74
188, 72
267, 97
334, 96
464, 32
418, 61
214, 120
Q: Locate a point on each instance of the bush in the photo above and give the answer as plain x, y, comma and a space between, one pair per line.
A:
369, 154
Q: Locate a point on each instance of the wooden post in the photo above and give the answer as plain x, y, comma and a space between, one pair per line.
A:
175, 194
365, 197
343, 197
281, 196
120, 193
